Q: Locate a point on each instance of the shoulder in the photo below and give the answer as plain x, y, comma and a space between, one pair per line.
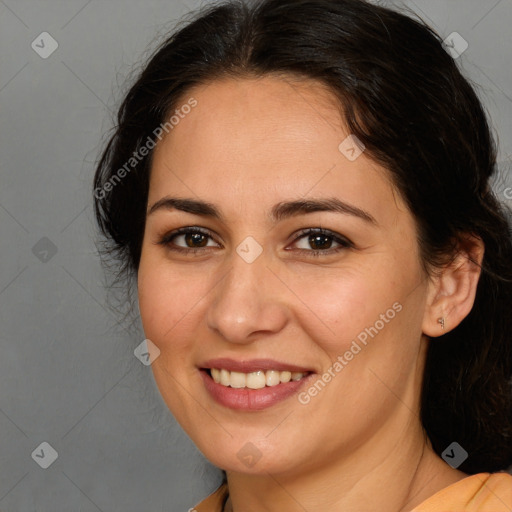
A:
214, 502
483, 492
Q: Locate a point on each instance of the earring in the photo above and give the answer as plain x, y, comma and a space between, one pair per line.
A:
440, 320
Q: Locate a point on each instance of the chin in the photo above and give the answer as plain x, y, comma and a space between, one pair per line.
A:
245, 456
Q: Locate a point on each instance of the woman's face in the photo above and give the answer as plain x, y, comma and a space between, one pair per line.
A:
299, 257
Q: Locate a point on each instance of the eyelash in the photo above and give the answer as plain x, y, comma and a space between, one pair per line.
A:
343, 242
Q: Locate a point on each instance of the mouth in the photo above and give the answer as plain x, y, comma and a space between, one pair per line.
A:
253, 380
252, 385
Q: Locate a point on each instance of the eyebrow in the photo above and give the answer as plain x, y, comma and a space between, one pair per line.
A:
280, 211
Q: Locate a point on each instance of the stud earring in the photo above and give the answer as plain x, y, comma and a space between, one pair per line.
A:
440, 320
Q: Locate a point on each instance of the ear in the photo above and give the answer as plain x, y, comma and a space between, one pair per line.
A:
452, 290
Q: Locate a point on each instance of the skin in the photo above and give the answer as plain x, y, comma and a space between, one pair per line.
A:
358, 444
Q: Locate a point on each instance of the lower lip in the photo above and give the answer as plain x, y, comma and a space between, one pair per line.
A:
251, 399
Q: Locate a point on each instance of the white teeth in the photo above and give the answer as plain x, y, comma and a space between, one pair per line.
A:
237, 380
224, 378
254, 380
216, 375
272, 378
285, 376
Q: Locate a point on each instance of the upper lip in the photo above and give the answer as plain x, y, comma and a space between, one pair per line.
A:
252, 365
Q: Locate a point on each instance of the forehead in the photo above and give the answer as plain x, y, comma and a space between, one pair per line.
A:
266, 117
272, 135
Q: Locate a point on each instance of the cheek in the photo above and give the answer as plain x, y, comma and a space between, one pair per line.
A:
169, 300
169, 307
340, 305
367, 329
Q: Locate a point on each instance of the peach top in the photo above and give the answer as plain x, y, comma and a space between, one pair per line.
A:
483, 492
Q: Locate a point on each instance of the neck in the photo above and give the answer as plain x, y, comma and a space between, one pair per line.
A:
395, 479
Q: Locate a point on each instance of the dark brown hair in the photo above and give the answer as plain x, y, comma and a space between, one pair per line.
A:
404, 97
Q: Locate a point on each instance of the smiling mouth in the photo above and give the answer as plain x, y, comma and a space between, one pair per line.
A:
253, 380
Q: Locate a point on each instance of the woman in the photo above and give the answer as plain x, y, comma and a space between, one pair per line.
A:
301, 191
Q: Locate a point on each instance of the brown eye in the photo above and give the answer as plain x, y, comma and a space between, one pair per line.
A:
318, 241
191, 238
196, 239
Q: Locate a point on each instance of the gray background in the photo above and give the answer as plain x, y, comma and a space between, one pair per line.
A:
68, 375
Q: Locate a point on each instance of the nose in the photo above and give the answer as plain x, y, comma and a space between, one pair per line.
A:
248, 302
